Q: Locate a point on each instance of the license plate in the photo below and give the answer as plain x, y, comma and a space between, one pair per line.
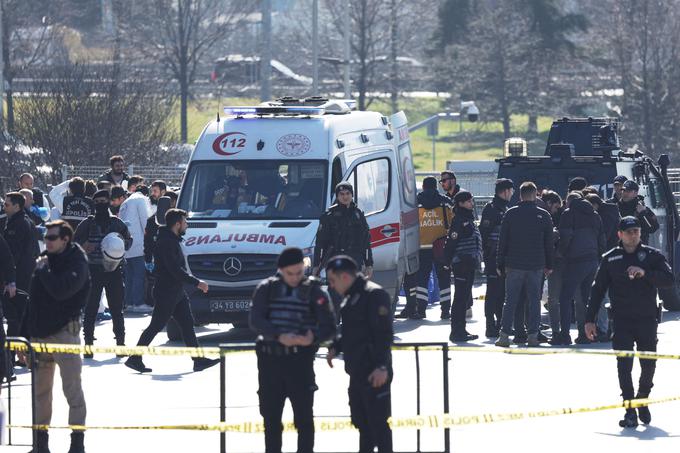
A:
229, 305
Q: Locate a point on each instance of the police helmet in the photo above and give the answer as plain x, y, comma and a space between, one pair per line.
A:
113, 251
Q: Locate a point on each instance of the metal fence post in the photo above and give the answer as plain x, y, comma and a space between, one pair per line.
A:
445, 372
223, 401
31, 363
417, 396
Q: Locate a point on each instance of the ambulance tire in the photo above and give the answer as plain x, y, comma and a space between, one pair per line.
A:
670, 298
173, 331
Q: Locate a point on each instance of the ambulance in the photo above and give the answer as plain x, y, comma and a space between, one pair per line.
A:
259, 179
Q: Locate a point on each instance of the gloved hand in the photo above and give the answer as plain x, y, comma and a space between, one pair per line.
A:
149, 266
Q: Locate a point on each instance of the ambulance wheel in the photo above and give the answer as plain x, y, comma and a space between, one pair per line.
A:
670, 298
173, 331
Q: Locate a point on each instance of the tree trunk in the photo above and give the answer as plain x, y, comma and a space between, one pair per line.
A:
532, 127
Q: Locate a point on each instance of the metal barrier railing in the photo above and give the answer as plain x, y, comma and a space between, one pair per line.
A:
31, 365
225, 349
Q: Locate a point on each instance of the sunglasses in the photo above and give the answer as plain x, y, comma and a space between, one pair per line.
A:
441, 181
52, 237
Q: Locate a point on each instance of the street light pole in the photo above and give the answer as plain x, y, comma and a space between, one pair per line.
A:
315, 47
266, 56
348, 28
2, 78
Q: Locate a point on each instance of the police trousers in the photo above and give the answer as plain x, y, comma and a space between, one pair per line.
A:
112, 282
495, 295
70, 367
428, 265
291, 376
463, 279
370, 409
629, 333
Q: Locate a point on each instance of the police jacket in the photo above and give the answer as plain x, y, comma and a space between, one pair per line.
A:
435, 214
93, 232
58, 293
648, 222
609, 213
7, 269
464, 242
76, 209
343, 230
277, 308
526, 239
582, 237
630, 299
490, 229
20, 236
150, 237
170, 268
108, 176
366, 332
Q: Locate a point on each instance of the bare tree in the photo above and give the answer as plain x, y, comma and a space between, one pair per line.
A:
84, 114
178, 34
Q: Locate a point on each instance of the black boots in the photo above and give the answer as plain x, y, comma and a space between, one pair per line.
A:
202, 363
630, 420
135, 362
41, 442
643, 411
491, 329
77, 442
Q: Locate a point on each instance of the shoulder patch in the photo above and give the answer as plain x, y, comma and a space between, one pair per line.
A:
383, 310
486, 222
641, 255
321, 301
454, 235
614, 258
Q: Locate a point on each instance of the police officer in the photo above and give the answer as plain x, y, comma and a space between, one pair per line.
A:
365, 341
464, 252
343, 230
490, 229
76, 206
171, 299
291, 314
89, 235
632, 205
7, 289
618, 189
435, 215
631, 272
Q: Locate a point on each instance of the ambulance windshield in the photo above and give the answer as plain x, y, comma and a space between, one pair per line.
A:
255, 189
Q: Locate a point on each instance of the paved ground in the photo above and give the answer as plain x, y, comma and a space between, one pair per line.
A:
480, 383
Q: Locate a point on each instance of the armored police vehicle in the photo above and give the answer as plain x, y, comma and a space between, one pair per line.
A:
259, 179
589, 147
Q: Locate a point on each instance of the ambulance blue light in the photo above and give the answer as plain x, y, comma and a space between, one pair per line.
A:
273, 110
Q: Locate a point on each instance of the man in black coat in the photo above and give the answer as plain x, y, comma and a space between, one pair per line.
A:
171, 299
632, 205
76, 206
117, 174
26, 181
58, 292
582, 242
365, 342
8, 288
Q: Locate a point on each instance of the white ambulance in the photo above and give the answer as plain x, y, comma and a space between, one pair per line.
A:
259, 179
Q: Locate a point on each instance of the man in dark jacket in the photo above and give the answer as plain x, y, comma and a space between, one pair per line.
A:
21, 238
619, 180
365, 342
58, 292
525, 255
153, 223
553, 204
447, 179
89, 235
8, 288
26, 181
490, 229
76, 206
171, 299
631, 205
582, 242
117, 174
343, 230
631, 273
291, 315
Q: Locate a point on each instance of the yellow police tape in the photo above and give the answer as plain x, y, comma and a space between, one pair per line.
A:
49, 348
436, 421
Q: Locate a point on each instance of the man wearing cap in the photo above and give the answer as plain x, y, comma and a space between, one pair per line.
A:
291, 315
577, 184
365, 341
343, 230
464, 252
631, 273
490, 229
632, 205
89, 235
447, 179
435, 216
618, 189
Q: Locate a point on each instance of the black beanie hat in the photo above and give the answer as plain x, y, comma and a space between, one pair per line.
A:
461, 196
430, 183
102, 194
578, 183
344, 186
290, 256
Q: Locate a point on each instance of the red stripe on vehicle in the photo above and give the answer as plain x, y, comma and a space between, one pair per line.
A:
385, 241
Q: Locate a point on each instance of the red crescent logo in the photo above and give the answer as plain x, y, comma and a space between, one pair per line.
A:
229, 144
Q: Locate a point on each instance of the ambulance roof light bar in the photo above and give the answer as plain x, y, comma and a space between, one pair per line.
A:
273, 110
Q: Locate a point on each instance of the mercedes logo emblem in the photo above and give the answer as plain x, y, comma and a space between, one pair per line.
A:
232, 266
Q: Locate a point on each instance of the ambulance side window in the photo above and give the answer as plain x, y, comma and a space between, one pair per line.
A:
371, 181
336, 173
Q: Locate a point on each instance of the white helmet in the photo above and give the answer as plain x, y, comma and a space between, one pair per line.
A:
113, 251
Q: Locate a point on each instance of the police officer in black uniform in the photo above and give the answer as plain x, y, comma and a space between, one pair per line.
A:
76, 206
632, 205
7, 289
490, 229
291, 314
365, 341
343, 230
631, 272
464, 252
